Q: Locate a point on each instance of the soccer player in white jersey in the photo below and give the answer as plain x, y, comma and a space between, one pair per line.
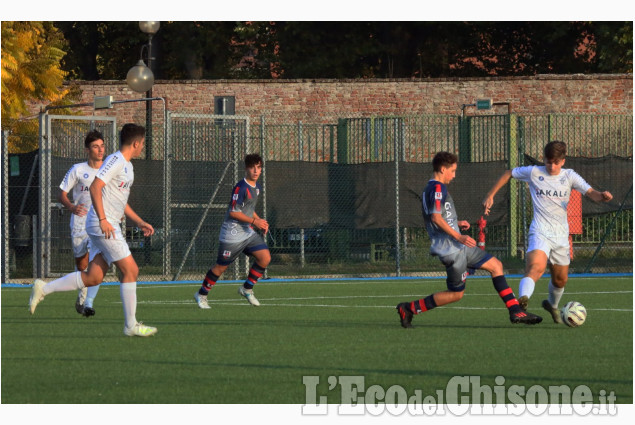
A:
78, 179
109, 193
550, 186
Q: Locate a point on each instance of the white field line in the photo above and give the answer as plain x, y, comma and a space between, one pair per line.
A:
267, 304
280, 302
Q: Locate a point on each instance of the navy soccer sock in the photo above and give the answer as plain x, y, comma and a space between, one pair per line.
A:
422, 305
255, 273
209, 281
506, 294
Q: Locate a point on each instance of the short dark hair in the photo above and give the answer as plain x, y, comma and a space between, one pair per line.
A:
252, 159
555, 150
91, 137
130, 133
443, 159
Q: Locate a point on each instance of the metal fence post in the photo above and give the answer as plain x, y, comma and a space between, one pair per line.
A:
513, 189
44, 207
167, 195
263, 155
397, 238
6, 253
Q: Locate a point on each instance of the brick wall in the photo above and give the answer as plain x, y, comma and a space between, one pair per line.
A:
323, 100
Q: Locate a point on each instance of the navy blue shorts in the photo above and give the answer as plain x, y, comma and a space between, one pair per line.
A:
457, 263
228, 252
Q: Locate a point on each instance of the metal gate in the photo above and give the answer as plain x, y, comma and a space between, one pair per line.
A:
61, 146
205, 154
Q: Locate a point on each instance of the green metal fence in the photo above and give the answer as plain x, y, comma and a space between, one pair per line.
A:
343, 193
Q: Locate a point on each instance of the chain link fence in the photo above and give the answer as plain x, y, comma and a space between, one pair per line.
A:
342, 194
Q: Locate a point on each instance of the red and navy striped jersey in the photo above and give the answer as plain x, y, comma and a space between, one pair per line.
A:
244, 199
437, 200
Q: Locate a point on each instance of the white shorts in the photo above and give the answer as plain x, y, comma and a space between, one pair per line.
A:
81, 245
113, 249
557, 250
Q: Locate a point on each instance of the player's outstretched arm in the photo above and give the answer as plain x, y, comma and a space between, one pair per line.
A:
597, 196
147, 228
489, 198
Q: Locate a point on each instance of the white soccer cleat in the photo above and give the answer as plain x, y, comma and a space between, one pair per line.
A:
249, 294
37, 294
140, 329
81, 298
201, 300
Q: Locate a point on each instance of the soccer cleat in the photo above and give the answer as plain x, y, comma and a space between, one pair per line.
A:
79, 302
405, 315
201, 300
523, 302
37, 294
88, 311
249, 294
555, 313
140, 329
524, 317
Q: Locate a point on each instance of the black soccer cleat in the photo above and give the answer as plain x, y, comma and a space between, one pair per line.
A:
524, 317
88, 311
405, 315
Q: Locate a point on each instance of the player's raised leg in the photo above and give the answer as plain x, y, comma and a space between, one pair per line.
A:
72, 281
408, 309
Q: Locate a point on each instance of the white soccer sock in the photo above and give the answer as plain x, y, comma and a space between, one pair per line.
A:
128, 291
555, 294
91, 293
526, 287
70, 282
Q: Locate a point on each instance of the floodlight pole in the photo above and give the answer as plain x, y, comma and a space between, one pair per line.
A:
149, 105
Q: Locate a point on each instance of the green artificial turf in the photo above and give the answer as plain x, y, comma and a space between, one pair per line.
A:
236, 353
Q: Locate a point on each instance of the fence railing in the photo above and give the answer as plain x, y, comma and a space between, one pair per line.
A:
187, 165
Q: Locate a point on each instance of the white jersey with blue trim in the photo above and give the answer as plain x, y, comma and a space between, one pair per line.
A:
78, 179
550, 196
118, 174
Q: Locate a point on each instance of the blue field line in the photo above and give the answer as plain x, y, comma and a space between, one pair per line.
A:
342, 279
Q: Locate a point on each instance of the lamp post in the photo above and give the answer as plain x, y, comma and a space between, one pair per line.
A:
140, 78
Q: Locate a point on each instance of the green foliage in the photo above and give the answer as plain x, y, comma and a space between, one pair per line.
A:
31, 71
614, 46
31, 55
358, 49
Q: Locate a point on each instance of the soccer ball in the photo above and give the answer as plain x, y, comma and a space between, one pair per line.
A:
573, 314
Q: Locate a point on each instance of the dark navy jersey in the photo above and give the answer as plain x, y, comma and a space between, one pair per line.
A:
244, 199
437, 200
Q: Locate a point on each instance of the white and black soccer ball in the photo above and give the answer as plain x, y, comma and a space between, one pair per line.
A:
573, 314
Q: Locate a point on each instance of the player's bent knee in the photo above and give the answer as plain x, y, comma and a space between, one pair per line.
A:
458, 295
263, 259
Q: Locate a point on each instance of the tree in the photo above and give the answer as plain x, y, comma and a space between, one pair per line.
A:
357, 49
613, 46
31, 55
